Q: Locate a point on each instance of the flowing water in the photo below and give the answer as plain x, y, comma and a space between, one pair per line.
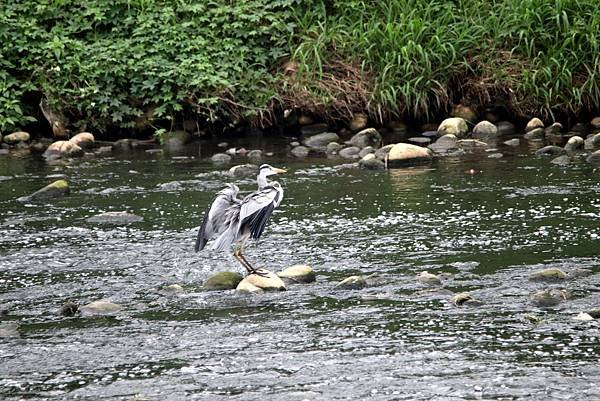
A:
483, 225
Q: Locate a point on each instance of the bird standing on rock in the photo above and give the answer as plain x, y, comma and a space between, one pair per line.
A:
234, 220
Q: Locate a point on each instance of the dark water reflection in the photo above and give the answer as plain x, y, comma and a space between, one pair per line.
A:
482, 224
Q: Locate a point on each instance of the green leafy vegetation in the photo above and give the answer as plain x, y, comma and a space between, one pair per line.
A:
150, 64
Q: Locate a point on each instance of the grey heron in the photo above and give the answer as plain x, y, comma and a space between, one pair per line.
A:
234, 220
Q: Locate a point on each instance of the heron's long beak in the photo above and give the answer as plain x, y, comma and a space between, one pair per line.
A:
279, 170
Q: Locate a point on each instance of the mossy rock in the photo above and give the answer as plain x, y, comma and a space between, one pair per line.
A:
550, 274
54, 190
222, 281
298, 274
352, 283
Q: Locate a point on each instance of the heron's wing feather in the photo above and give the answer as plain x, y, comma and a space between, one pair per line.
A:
256, 210
214, 218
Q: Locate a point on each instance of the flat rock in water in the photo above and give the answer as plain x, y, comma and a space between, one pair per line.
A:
419, 140
583, 317
320, 141
366, 137
298, 274
550, 150
402, 154
115, 218
270, 282
54, 190
173, 289
101, 307
352, 283
550, 274
444, 143
505, 128
512, 142
222, 281
471, 144
563, 160
465, 299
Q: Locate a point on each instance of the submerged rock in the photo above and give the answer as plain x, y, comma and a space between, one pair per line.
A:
456, 126
534, 123
222, 281
298, 274
444, 143
9, 330
512, 142
555, 128
485, 129
370, 162
17, 137
402, 154
320, 141
505, 128
550, 274
255, 155
563, 160
352, 283
220, 158
419, 140
300, 151
427, 278
471, 144
574, 143
69, 309
244, 170
534, 134
115, 218
270, 282
594, 158
83, 140
366, 137
101, 307
549, 298
54, 190
550, 150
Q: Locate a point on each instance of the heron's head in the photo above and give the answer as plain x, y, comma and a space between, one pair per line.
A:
266, 170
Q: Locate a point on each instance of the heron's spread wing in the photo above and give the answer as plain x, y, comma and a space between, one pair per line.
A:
215, 217
257, 208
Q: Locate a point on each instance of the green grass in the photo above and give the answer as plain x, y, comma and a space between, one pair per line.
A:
153, 63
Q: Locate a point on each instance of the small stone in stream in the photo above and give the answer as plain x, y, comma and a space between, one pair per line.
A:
83, 140
294, 144
333, 148
419, 140
222, 281
244, 170
173, 289
554, 129
574, 143
350, 152
69, 309
255, 155
429, 134
583, 317
444, 143
222, 144
455, 126
594, 158
595, 313
471, 144
366, 137
427, 278
550, 150
358, 122
56, 189
534, 123
320, 141
484, 130
365, 151
535, 134
9, 330
549, 298
101, 307
465, 299
496, 156
298, 274
512, 142
220, 158
352, 283
549, 274
370, 162
116, 218
300, 151
505, 128
268, 282
563, 160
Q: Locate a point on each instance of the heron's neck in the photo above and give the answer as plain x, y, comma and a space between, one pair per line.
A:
262, 181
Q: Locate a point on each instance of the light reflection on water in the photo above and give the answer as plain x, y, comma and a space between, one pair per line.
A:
482, 224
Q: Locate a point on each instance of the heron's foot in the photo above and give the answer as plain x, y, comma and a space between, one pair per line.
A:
260, 272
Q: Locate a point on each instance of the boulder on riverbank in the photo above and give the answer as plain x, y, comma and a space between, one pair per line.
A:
350, 152
403, 154
222, 281
56, 189
455, 125
300, 151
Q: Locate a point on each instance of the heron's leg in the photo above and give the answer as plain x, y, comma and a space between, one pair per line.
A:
238, 255
252, 270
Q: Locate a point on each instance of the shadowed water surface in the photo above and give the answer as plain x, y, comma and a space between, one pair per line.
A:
484, 225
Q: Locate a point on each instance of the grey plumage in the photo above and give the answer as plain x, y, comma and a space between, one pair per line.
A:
233, 221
